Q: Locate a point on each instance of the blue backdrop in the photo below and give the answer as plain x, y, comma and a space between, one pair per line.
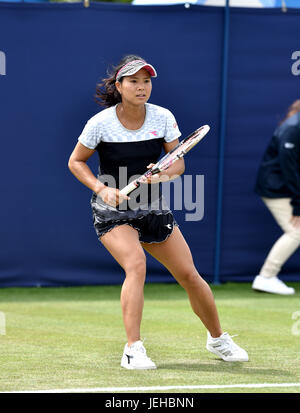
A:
55, 54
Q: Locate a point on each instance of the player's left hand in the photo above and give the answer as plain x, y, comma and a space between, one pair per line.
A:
155, 179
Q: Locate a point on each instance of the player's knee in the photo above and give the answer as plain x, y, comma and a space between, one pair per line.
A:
189, 276
136, 266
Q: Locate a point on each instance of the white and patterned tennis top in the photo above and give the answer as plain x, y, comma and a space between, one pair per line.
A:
106, 127
133, 149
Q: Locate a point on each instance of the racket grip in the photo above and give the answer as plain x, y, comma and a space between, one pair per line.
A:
129, 188
155, 171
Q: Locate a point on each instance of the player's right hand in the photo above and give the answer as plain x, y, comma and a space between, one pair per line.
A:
112, 196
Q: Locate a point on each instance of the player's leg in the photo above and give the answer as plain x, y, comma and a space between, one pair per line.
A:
176, 256
123, 244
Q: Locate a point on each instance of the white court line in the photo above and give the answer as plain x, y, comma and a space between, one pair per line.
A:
153, 388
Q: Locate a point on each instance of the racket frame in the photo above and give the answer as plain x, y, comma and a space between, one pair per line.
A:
161, 165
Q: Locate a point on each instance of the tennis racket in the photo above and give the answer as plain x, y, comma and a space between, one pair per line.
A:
165, 162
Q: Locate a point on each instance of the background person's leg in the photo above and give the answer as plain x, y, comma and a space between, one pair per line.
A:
281, 251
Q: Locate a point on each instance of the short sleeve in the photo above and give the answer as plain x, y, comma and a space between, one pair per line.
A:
172, 131
91, 135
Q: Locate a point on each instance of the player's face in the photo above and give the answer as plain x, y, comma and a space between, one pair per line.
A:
136, 89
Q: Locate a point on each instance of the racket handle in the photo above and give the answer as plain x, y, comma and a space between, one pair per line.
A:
129, 188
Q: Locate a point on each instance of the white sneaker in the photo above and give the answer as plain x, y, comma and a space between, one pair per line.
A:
135, 357
226, 348
271, 285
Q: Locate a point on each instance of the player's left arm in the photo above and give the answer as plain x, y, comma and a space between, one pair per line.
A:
174, 171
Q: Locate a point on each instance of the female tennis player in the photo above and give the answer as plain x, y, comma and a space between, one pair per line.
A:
129, 136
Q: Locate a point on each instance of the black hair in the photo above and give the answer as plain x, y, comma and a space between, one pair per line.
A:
106, 92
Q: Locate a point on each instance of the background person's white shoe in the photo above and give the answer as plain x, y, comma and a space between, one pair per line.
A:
226, 348
135, 357
271, 285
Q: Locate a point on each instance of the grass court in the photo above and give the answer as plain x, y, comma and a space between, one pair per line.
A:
73, 338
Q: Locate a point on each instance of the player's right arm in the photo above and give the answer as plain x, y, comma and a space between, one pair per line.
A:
79, 168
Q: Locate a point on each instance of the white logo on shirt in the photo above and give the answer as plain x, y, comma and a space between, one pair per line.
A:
289, 145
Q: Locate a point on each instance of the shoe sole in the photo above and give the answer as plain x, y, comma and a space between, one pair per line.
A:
272, 292
223, 357
137, 368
